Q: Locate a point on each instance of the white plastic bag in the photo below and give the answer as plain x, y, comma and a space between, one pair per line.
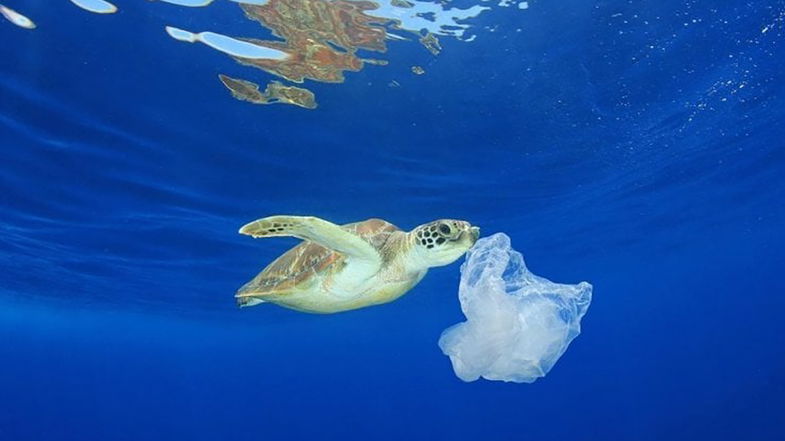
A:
517, 324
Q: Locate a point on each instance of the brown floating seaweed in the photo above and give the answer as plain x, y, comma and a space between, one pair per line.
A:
275, 92
321, 37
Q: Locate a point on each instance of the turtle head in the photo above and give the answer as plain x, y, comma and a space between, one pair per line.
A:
442, 242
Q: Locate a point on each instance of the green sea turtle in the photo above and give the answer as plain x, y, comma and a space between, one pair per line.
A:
343, 267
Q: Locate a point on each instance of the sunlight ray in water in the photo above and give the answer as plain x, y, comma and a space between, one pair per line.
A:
227, 45
96, 6
16, 18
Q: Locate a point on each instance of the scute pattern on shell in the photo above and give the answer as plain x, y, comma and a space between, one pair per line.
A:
309, 260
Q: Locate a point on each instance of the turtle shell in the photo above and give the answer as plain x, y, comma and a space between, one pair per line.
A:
309, 260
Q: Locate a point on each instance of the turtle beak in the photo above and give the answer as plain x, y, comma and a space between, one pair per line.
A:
475, 232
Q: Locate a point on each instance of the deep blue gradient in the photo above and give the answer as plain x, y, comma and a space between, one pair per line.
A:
636, 145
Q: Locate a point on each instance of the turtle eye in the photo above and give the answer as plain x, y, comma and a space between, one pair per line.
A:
444, 229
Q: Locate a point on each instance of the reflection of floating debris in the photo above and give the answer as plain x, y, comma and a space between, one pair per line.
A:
322, 37
228, 45
431, 43
278, 93
97, 6
375, 61
241, 89
274, 93
401, 4
392, 36
16, 18
252, 2
201, 3
432, 17
189, 3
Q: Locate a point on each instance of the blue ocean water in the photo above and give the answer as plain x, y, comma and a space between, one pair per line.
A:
636, 145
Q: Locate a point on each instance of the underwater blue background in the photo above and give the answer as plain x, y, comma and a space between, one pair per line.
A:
635, 145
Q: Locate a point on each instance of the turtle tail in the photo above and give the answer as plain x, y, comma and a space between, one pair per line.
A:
244, 300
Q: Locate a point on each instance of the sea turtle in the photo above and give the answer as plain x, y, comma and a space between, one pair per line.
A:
341, 267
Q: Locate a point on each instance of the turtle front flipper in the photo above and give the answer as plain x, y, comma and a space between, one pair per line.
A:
326, 234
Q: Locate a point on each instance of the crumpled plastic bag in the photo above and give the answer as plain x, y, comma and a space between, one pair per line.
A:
517, 324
